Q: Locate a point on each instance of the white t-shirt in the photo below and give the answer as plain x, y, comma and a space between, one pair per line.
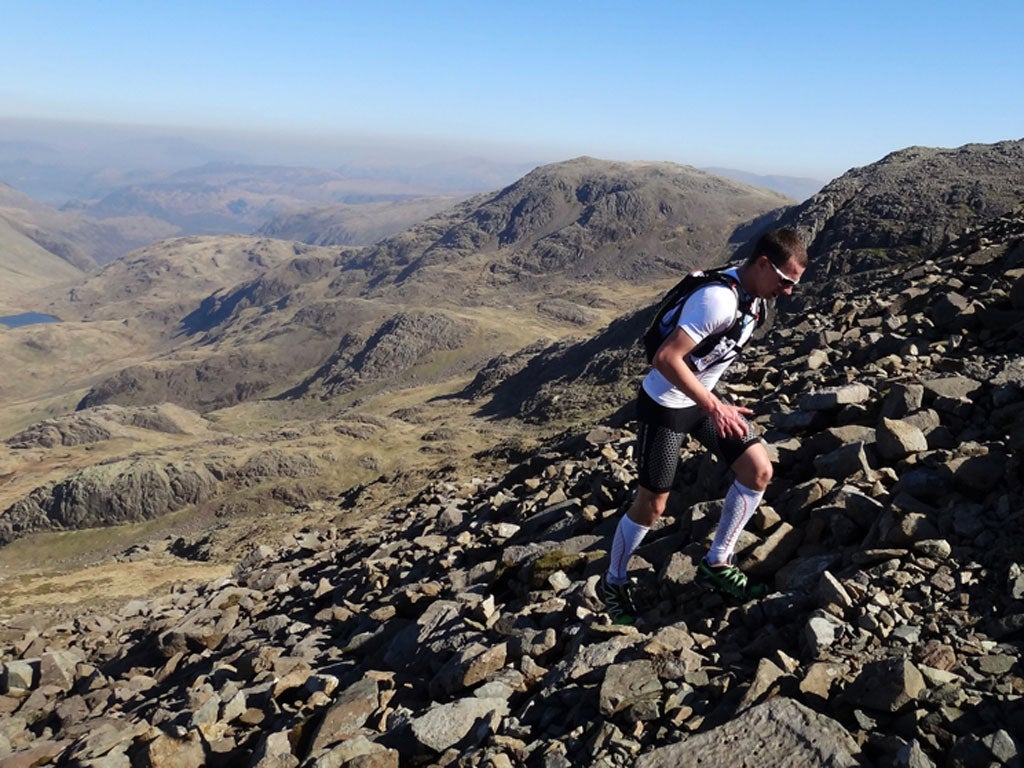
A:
710, 309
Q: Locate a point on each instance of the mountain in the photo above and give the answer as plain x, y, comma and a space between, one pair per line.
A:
566, 247
81, 242
158, 285
26, 266
361, 224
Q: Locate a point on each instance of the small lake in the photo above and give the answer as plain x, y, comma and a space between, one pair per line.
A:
27, 318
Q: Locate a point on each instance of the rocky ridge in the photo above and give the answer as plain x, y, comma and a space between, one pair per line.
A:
462, 628
914, 201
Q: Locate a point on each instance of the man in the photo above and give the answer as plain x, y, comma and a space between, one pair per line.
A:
677, 399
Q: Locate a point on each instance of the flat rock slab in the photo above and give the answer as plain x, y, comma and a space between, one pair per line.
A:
780, 733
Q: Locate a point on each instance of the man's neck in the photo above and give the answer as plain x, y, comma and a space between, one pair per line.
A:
743, 272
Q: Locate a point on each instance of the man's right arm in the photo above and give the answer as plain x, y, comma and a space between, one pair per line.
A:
670, 362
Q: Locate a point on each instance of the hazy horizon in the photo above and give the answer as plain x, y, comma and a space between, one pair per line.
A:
799, 89
53, 156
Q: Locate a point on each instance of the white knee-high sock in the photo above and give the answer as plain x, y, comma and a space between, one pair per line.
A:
738, 508
628, 536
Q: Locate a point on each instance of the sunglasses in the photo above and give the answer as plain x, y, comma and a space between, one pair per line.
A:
787, 281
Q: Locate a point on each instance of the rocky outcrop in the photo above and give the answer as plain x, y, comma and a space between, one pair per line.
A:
217, 382
137, 489
126, 491
392, 353
105, 422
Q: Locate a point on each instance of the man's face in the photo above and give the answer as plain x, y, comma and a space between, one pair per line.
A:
776, 281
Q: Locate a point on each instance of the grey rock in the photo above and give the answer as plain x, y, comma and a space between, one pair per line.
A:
952, 387
834, 397
446, 725
349, 712
843, 463
886, 686
780, 733
20, 675
632, 687
902, 400
468, 667
358, 752
804, 573
821, 632
899, 439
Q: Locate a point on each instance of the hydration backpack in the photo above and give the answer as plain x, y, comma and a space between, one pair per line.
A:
671, 306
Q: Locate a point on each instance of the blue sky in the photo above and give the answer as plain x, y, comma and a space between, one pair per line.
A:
796, 88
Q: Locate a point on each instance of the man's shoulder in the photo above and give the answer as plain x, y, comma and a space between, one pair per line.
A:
720, 290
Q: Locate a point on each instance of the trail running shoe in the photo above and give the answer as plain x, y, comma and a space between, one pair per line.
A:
728, 579
620, 601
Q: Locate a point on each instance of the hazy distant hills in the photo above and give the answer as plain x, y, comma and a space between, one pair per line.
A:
797, 187
354, 224
232, 197
29, 227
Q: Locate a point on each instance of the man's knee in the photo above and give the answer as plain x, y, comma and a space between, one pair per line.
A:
648, 506
762, 475
754, 469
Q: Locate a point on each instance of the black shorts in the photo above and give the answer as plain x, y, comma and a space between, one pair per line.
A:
661, 432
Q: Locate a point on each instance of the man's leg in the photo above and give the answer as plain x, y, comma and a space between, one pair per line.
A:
657, 458
644, 512
753, 470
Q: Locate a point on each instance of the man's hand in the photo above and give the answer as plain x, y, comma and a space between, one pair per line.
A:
728, 419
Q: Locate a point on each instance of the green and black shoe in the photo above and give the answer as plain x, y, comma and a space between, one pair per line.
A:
729, 580
620, 601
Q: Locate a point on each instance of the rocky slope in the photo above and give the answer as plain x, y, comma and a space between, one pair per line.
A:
461, 628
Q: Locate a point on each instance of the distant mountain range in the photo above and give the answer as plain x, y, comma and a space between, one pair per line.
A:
142, 186
474, 279
797, 187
